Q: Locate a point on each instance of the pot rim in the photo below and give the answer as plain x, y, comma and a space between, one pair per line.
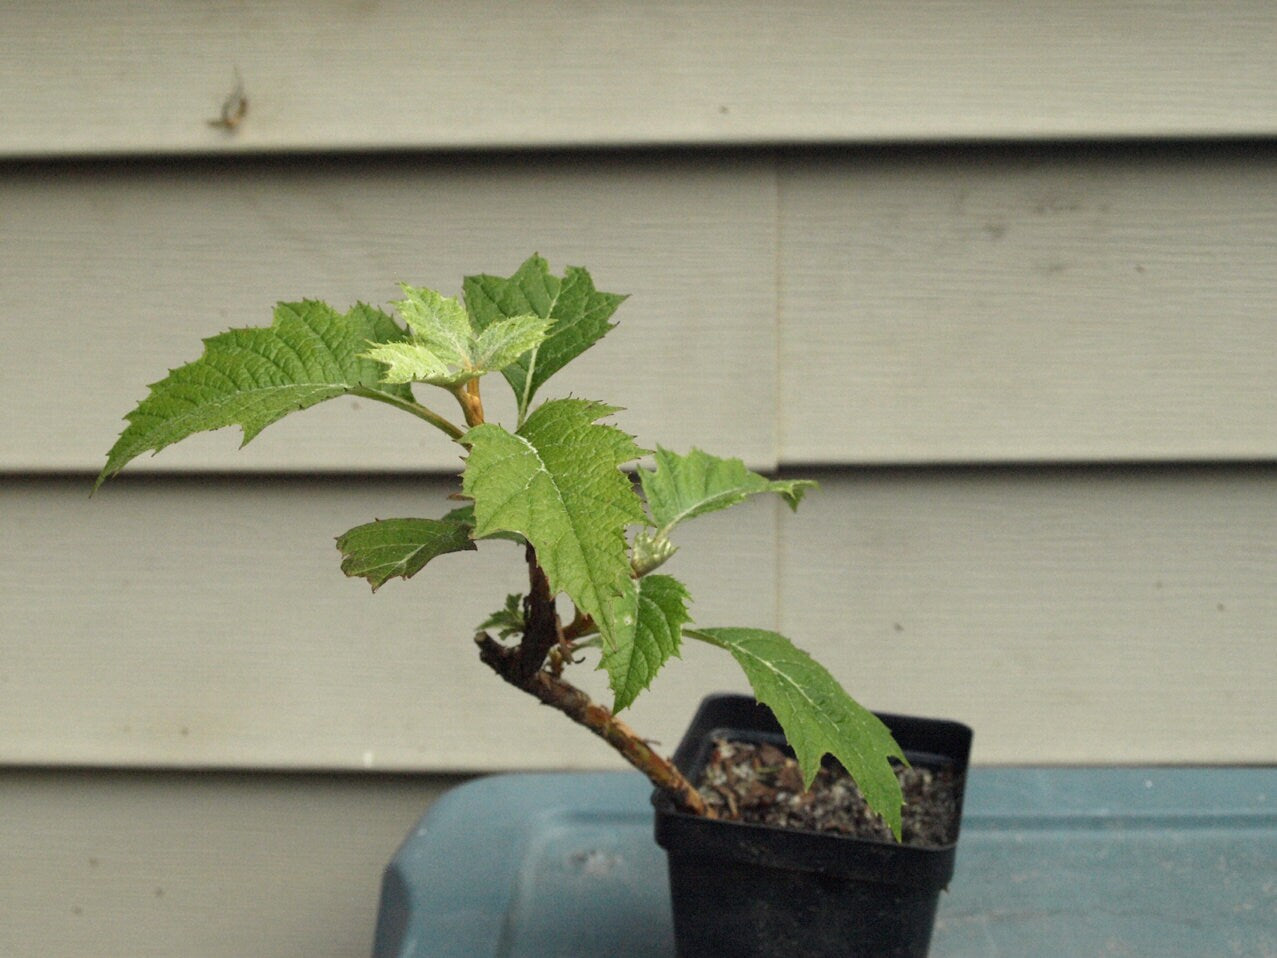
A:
801, 850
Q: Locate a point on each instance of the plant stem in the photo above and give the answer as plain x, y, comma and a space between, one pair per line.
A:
576, 705
525, 667
471, 404
541, 630
581, 625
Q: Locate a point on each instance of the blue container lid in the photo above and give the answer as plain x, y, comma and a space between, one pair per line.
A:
1052, 863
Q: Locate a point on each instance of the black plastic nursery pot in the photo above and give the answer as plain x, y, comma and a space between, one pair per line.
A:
749, 891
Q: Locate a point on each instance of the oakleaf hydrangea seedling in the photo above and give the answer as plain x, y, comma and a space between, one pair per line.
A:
554, 483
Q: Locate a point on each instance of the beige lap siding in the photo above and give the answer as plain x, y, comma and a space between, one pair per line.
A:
346, 76
1004, 276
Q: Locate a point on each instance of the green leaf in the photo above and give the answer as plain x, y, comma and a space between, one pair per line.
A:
682, 487
253, 377
380, 550
556, 481
445, 349
507, 621
502, 343
413, 362
439, 323
579, 315
650, 617
465, 514
818, 717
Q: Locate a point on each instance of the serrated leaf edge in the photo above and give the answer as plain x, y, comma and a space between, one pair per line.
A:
891, 816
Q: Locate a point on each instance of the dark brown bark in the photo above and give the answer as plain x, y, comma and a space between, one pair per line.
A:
540, 622
553, 691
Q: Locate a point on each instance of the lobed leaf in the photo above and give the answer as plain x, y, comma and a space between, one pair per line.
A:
438, 322
649, 618
578, 313
682, 487
818, 717
445, 349
253, 377
409, 362
502, 343
556, 482
465, 514
380, 550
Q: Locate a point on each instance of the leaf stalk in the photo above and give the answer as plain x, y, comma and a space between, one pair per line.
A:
450, 429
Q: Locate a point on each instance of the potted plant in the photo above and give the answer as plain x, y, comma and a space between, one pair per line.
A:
553, 485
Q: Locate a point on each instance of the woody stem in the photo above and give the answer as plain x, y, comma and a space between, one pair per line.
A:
523, 667
576, 705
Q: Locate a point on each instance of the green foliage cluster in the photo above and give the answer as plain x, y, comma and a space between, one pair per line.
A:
556, 482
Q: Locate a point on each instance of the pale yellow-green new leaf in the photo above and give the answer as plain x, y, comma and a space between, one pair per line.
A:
445, 348
413, 362
438, 322
503, 342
